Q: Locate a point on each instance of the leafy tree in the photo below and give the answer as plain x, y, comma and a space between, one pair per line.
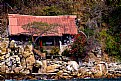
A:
94, 14
41, 7
3, 19
113, 42
89, 32
91, 21
78, 47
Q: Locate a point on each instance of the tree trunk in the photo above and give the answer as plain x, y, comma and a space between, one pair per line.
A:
33, 39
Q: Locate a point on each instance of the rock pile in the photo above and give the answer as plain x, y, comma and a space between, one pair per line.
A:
20, 59
15, 58
62, 69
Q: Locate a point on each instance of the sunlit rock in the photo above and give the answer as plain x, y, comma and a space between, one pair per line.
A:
51, 68
18, 69
25, 70
28, 57
3, 68
12, 44
44, 66
72, 66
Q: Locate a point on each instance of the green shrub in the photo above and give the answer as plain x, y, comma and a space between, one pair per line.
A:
55, 51
66, 53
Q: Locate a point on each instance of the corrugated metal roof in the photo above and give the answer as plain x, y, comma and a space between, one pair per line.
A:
67, 23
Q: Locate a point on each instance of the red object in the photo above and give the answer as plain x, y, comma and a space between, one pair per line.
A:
82, 36
40, 43
67, 23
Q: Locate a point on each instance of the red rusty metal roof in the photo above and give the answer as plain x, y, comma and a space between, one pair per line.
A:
67, 23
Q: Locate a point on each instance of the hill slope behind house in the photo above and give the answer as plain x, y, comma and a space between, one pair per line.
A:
99, 19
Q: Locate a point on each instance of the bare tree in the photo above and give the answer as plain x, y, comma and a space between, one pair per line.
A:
40, 28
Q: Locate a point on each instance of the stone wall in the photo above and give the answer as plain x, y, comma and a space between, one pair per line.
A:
15, 58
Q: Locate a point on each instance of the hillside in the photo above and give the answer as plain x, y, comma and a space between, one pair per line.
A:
99, 19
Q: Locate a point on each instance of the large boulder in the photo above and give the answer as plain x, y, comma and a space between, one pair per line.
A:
51, 68
18, 69
3, 48
3, 68
44, 66
28, 62
28, 59
12, 44
72, 66
98, 74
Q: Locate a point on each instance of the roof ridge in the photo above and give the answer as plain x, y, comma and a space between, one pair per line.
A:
65, 16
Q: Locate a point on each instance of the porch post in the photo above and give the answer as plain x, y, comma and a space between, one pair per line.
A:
54, 41
40, 43
60, 45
